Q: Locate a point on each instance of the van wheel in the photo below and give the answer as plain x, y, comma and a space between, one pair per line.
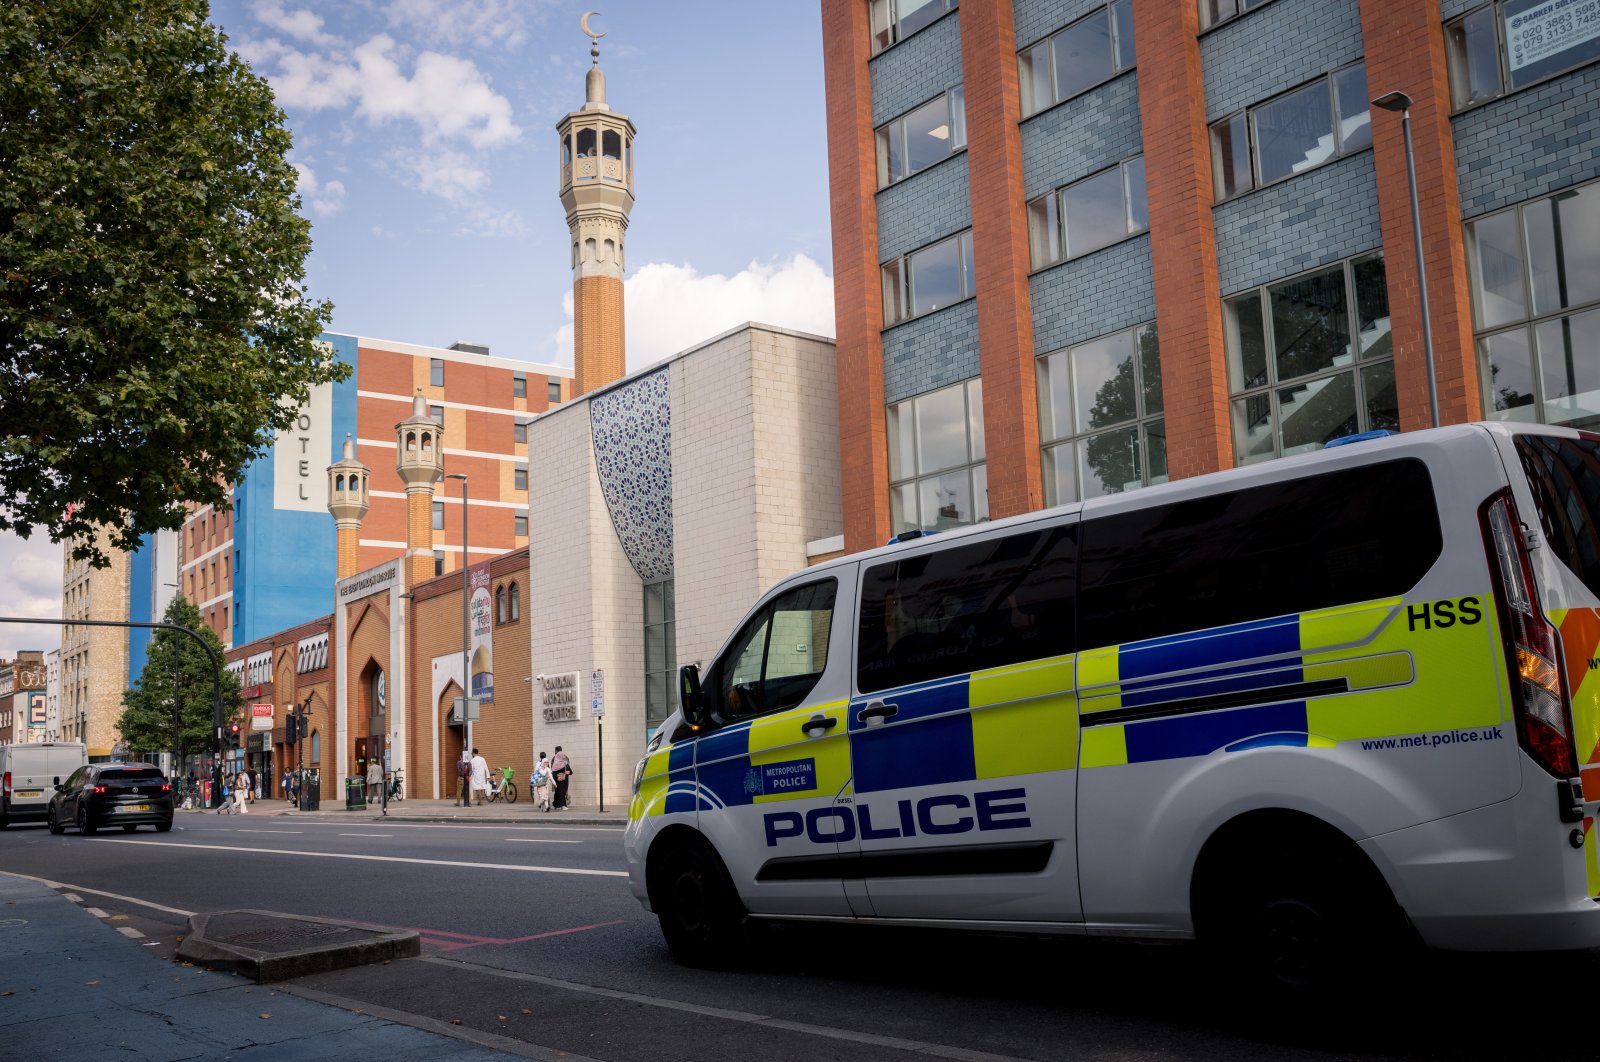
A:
698, 907
52, 823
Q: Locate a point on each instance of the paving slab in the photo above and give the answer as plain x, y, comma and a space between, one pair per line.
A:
272, 946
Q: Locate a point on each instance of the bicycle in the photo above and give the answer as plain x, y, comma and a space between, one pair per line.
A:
506, 787
397, 788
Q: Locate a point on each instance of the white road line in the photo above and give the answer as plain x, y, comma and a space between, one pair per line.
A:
366, 835
130, 932
267, 831
373, 858
98, 892
97, 912
74, 897
541, 840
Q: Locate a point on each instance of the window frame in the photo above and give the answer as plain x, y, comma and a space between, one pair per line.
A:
519, 478
436, 413
519, 524
519, 385
552, 391
896, 128
891, 27
1030, 106
905, 293
975, 464
719, 715
1502, 62
519, 431
1241, 9
1272, 384
1328, 79
1055, 206
436, 372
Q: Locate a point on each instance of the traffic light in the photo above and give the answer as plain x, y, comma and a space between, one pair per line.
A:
233, 734
291, 729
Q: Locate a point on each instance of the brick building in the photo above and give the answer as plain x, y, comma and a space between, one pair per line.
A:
1081, 247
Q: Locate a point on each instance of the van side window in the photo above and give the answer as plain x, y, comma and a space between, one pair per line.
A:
1280, 548
954, 611
1564, 475
779, 656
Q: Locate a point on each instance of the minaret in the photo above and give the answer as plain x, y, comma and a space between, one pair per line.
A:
348, 502
419, 458
597, 190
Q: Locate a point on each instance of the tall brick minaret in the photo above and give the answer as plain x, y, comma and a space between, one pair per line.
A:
419, 458
597, 190
348, 502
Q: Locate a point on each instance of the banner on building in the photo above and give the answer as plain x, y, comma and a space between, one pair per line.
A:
1538, 32
261, 717
482, 610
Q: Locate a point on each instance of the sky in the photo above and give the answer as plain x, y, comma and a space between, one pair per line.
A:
424, 135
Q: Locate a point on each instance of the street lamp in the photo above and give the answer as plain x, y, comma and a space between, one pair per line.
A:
466, 640
1399, 101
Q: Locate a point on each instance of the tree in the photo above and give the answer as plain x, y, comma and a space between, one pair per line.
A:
148, 723
155, 333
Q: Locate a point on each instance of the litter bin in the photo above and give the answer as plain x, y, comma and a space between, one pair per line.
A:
355, 793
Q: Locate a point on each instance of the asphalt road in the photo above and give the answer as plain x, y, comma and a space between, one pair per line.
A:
530, 932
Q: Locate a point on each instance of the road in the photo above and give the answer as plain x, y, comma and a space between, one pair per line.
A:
530, 932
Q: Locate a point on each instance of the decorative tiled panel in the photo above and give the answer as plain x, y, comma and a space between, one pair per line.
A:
924, 207
632, 427
917, 69
1090, 296
1081, 136
1276, 47
1532, 142
931, 351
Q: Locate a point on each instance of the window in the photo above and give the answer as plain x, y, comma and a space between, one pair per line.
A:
779, 655
895, 20
1215, 11
436, 372
500, 604
958, 610
438, 562
937, 276
1272, 550
660, 653
1100, 417
1291, 133
553, 391
437, 413
1534, 269
915, 141
519, 432
516, 603
519, 479
1311, 359
438, 516
519, 385
1073, 60
1093, 213
519, 525
1510, 44
936, 459
1564, 475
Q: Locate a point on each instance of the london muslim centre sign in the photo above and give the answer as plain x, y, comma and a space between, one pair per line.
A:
558, 697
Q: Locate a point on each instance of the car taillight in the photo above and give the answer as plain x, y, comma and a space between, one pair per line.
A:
166, 788
99, 789
1533, 649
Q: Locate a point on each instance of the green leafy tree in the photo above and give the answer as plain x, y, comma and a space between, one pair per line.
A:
155, 333
148, 722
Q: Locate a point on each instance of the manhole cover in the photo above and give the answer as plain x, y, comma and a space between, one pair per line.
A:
12, 923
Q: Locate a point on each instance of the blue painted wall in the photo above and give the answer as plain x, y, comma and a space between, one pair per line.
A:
140, 578
285, 563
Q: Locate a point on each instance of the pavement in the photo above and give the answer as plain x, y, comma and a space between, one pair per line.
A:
73, 987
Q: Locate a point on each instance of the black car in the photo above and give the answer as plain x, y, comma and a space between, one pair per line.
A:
129, 795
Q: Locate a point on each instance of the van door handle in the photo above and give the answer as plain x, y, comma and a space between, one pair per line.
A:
814, 726
875, 713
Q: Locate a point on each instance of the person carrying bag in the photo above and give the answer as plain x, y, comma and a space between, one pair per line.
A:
561, 771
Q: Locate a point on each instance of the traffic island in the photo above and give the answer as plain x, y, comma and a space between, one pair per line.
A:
269, 946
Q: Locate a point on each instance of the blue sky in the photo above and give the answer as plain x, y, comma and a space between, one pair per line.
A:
424, 133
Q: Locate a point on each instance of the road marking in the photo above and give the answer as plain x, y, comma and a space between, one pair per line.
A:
130, 932
764, 1020
74, 897
366, 835
97, 912
374, 858
266, 831
98, 892
542, 840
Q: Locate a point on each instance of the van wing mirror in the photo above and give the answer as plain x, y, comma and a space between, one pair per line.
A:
691, 698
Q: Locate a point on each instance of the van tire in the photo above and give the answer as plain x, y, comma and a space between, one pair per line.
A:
1300, 922
698, 907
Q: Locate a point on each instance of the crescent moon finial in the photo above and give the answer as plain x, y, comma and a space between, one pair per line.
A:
583, 23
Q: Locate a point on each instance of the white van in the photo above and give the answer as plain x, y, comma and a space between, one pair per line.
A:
27, 777
1298, 708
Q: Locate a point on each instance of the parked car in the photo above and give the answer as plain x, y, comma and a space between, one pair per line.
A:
129, 795
26, 769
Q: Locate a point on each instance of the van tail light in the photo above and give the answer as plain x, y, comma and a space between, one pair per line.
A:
5, 786
1533, 647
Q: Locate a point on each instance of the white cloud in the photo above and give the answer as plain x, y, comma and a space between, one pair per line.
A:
446, 97
31, 588
327, 198
450, 175
301, 25
670, 308
485, 23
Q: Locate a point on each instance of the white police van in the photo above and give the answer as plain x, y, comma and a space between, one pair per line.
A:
1296, 708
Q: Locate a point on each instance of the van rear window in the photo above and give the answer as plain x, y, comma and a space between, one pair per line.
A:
1564, 475
1280, 548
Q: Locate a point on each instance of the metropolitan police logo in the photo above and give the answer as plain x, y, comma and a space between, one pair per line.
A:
752, 782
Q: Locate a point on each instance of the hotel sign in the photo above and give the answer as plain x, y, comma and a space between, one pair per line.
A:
300, 456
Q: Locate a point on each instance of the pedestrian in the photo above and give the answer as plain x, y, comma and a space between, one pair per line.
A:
480, 777
288, 785
374, 780
464, 772
561, 771
241, 786
541, 783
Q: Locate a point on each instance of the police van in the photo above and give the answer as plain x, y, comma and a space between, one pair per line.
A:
1294, 709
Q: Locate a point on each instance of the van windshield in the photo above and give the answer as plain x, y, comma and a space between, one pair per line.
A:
1564, 475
